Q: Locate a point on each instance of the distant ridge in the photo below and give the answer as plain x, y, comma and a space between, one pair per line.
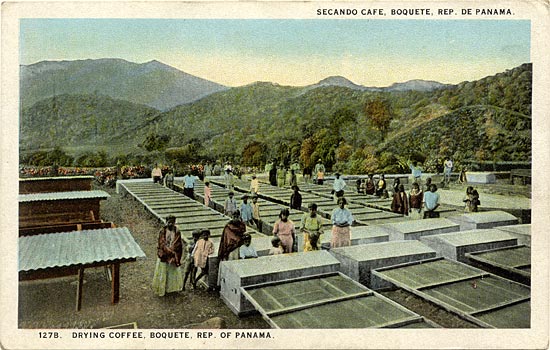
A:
416, 85
153, 83
411, 85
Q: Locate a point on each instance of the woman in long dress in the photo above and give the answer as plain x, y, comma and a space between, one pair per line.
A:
168, 277
341, 222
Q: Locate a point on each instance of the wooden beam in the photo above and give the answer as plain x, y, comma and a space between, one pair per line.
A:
79, 284
115, 283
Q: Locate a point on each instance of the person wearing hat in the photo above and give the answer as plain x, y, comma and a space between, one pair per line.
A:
246, 211
296, 198
168, 277
230, 204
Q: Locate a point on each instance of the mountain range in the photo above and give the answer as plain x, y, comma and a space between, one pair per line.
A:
486, 120
154, 84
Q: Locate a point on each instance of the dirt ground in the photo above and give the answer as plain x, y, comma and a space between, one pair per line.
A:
51, 303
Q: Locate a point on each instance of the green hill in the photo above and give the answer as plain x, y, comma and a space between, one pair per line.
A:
484, 120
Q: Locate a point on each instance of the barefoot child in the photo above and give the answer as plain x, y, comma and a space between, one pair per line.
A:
189, 265
203, 249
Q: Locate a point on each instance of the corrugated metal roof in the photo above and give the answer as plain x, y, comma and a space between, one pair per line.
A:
77, 247
89, 177
55, 196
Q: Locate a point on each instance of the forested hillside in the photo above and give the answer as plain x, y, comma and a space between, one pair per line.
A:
352, 130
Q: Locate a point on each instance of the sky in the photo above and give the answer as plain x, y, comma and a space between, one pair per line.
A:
297, 52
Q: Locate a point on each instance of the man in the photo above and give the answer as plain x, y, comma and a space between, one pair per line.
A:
416, 172
431, 203
273, 174
319, 172
312, 228
256, 212
230, 205
246, 211
189, 185
229, 179
338, 187
156, 173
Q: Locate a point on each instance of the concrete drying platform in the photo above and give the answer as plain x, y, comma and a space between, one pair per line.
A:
480, 178
360, 235
521, 232
235, 274
485, 299
190, 215
328, 301
358, 261
485, 219
455, 245
511, 262
415, 229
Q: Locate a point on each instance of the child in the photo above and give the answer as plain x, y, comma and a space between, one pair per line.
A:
254, 185
207, 193
203, 249
247, 251
284, 229
189, 265
277, 247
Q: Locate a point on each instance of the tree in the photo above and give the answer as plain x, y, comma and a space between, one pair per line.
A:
254, 153
378, 112
155, 142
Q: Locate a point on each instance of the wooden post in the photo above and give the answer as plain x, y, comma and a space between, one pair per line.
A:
115, 283
79, 285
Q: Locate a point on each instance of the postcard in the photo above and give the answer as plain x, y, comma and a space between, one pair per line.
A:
127, 125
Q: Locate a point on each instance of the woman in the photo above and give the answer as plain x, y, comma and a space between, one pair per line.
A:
168, 277
400, 203
416, 197
370, 187
207, 193
341, 223
471, 200
284, 229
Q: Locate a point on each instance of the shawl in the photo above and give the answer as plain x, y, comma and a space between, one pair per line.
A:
232, 238
170, 254
400, 204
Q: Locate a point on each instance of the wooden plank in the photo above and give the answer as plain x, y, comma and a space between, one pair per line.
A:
115, 283
318, 303
79, 285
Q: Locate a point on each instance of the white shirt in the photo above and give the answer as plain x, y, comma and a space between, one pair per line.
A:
339, 185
